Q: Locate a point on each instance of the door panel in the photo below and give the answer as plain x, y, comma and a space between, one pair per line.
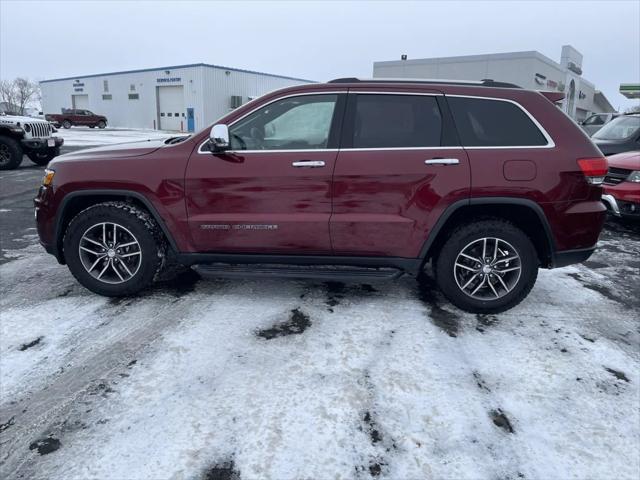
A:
275, 197
386, 201
259, 202
386, 198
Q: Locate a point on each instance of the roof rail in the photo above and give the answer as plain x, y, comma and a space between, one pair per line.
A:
487, 82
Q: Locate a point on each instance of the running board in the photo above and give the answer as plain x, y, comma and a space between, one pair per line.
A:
318, 272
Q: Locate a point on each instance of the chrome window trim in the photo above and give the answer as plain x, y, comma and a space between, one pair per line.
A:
373, 149
323, 92
545, 134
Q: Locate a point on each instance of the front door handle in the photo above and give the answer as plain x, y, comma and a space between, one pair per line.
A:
308, 164
442, 161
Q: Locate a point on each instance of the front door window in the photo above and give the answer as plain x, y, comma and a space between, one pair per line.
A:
294, 123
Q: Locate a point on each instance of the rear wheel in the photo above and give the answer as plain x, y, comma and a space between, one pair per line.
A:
66, 124
487, 266
10, 153
114, 248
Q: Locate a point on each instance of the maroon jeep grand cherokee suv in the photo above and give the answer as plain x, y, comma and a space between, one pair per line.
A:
349, 179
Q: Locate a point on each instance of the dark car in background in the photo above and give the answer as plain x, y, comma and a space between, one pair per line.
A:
76, 117
622, 134
596, 121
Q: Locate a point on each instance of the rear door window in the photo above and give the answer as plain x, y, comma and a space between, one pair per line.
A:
493, 123
595, 120
396, 121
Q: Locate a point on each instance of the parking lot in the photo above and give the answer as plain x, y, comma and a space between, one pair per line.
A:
292, 379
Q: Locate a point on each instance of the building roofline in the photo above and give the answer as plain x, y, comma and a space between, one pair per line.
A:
173, 67
598, 94
473, 58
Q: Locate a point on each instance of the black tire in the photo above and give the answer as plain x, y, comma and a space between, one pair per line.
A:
66, 124
43, 158
92, 126
136, 221
10, 153
465, 235
102, 124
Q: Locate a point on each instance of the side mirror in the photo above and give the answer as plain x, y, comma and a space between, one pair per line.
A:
219, 138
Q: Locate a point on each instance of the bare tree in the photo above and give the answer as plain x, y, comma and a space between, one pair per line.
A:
26, 90
18, 93
8, 93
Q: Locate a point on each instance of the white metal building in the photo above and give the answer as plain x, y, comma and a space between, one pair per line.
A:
182, 98
530, 70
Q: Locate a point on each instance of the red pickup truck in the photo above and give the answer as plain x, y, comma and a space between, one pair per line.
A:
70, 117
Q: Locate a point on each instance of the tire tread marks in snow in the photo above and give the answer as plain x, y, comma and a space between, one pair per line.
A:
297, 323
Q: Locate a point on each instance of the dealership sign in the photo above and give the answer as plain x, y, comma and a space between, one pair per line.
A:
169, 80
78, 86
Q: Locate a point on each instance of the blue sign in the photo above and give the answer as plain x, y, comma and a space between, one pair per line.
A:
169, 80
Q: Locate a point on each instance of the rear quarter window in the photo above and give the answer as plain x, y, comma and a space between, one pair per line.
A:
493, 123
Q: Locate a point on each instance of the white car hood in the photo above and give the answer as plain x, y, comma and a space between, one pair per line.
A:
13, 119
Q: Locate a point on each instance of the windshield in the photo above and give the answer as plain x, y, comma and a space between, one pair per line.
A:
619, 129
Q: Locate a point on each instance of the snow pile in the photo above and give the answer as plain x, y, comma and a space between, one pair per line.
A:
85, 136
285, 379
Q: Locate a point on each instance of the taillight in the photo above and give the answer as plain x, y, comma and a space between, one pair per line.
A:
594, 169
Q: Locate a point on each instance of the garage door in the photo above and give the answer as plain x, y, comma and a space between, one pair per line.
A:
171, 108
80, 102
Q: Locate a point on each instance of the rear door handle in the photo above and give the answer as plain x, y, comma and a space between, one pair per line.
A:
442, 161
308, 164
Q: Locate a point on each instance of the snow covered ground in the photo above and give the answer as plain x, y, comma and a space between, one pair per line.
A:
280, 379
86, 137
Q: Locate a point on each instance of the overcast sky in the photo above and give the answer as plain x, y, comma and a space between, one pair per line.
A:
314, 40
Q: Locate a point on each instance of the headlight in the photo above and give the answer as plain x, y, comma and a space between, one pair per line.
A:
48, 177
27, 127
634, 176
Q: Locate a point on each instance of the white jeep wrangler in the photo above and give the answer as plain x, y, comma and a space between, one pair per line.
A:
26, 135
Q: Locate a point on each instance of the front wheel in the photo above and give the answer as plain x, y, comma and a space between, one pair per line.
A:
10, 153
487, 266
114, 248
102, 124
66, 124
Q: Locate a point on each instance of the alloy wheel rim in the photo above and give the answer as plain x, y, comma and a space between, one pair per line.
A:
110, 253
487, 268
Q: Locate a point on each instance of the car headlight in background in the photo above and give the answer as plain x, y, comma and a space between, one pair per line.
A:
48, 177
634, 176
